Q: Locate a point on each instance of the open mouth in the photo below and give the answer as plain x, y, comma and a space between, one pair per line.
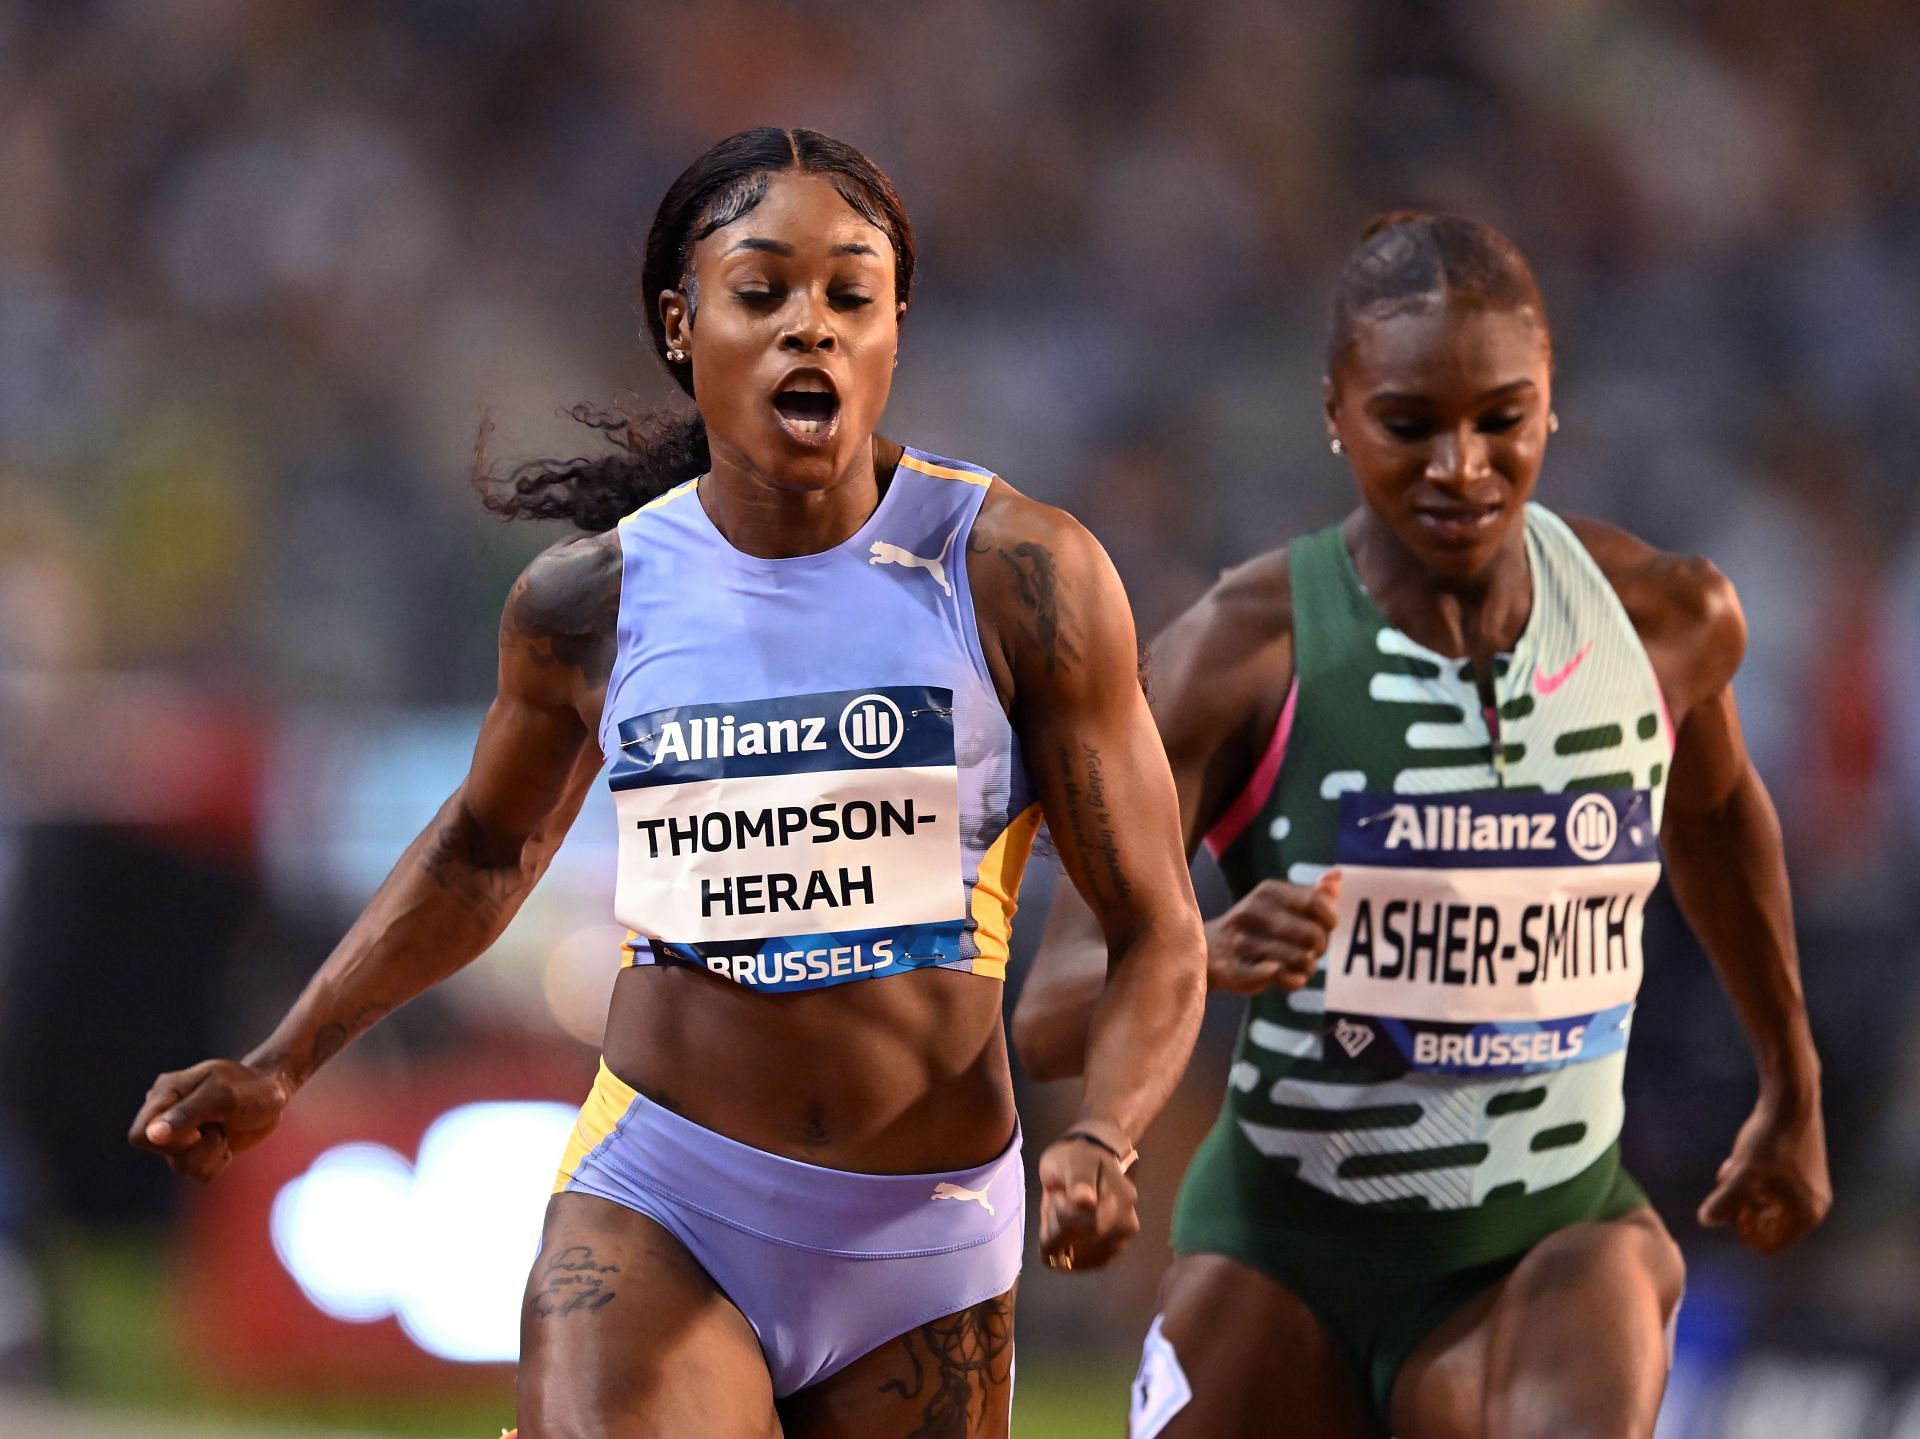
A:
807, 406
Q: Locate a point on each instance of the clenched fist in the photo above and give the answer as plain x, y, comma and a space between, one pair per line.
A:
1274, 936
199, 1118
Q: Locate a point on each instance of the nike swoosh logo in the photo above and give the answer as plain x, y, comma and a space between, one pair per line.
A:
1547, 684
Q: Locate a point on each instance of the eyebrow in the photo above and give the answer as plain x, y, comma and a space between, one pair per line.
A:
1498, 392
781, 247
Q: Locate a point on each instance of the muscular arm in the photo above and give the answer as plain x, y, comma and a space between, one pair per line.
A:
1065, 635
1728, 869
1220, 676
457, 885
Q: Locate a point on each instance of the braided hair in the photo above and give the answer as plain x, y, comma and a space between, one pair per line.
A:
654, 450
1406, 260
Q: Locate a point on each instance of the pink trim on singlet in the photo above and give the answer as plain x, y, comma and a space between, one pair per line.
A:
1240, 814
1666, 715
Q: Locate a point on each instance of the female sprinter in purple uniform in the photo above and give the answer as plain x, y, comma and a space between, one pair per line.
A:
840, 683
1439, 748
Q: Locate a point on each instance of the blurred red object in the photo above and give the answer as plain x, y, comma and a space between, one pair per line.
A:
244, 1315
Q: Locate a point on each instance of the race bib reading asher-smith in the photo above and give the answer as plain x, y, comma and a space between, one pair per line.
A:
1487, 933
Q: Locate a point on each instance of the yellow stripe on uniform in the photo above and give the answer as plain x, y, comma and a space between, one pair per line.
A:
996, 894
611, 1098
630, 949
946, 473
659, 500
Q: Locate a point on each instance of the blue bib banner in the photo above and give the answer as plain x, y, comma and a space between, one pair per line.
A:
1487, 933
794, 842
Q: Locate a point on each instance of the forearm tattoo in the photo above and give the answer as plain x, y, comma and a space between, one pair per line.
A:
1092, 818
957, 1367
335, 1035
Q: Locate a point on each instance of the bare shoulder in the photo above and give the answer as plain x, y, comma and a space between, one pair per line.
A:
1219, 674
1015, 523
1685, 611
1044, 590
563, 610
1248, 611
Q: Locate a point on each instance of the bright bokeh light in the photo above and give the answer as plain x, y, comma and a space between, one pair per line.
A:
578, 980
443, 1243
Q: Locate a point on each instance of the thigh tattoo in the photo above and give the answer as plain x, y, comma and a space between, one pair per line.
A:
573, 1281
952, 1362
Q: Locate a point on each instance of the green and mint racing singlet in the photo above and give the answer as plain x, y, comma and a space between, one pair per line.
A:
1465, 1035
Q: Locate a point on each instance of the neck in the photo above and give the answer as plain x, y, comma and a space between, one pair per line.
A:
1475, 616
761, 515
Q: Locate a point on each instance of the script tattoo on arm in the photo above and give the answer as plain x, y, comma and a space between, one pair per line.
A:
954, 1362
573, 1282
1093, 827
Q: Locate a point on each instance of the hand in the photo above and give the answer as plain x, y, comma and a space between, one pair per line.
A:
199, 1118
1086, 1206
1773, 1188
1274, 936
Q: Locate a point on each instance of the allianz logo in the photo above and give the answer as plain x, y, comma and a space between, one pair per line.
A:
870, 727
1592, 826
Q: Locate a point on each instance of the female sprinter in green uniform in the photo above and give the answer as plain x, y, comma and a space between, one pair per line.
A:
1438, 749
839, 683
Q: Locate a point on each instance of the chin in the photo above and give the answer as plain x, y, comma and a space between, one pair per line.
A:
1461, 563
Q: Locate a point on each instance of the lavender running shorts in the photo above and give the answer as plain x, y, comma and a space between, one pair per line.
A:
825, 1264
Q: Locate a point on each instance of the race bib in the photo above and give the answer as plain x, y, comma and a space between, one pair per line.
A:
796, 842
1487, 933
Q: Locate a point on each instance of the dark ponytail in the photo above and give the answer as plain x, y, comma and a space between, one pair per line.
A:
1408, 258
658, 449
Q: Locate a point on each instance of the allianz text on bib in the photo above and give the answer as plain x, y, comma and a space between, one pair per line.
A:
1488, 932
795, 842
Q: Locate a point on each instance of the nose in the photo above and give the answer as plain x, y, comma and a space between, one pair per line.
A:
1458, 457
810, 327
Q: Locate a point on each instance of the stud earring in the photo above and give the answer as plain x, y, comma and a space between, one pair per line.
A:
1553, 423
1334, 444
676, 357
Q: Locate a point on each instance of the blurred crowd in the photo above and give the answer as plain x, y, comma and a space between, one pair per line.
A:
263, 266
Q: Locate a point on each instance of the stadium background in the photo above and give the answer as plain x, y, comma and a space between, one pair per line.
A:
262, 265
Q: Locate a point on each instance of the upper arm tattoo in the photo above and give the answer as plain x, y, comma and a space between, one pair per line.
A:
568, 616
1048, 622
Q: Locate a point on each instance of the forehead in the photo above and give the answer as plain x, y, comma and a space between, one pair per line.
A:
805, 213
1442, 345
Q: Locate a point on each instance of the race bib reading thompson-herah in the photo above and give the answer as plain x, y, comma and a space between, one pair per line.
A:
796, 842
1487, 933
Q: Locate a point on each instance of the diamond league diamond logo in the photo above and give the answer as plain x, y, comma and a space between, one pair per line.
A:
1352, 1037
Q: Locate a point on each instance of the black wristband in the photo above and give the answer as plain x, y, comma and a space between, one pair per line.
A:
1126, 1160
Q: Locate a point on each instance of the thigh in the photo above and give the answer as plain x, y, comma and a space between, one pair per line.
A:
623, 1334
950, 1379
1573, 1342
1258, 1361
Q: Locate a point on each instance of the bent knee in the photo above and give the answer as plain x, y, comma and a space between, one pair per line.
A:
1636, 1249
